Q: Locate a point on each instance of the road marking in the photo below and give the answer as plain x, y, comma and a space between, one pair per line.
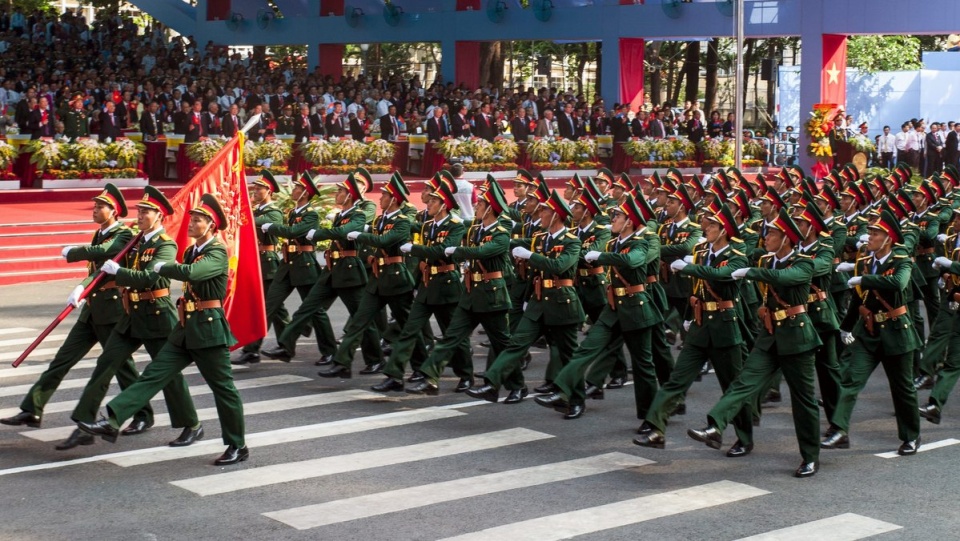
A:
27, 341
35, 354
293, 434
320, 467
845, 527
313, 516
15, 330
923, 447
250, 408
196, 390
35, 369
79, 383
615, 515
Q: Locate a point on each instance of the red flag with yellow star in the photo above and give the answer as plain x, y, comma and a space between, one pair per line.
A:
833, 79
223, 176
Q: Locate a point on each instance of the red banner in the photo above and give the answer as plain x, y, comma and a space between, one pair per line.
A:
468, 64
331, 60
631, 72
223, 176
833, 78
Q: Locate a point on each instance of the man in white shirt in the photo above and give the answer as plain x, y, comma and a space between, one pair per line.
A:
901, 142
383, 106
886, 146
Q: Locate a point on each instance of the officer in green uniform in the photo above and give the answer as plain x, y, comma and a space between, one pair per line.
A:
440, 291
714, 333
486, 300
148, 320
392, 284
553, 309
629, 313
572, 190
75, 121
285, 121
739, 204
928, 222
787, 342
202, 336
678, 235
266, 212
97, 317
884, 334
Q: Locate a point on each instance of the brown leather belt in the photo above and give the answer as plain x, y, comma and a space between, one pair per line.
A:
337, 254
139, 296
389, 260
880, 317
652, 279
590, 271
296, 248
630, 290
790, 311
713, 306
268, 248
554, 284
439, 269
485, 277
925, 251
818, 296
193, 306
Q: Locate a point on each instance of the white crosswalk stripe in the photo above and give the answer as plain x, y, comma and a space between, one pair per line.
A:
15, 330
196, 390
249, 408
26, 341
34, 370
38, 355
615, 515
79, 383
845, 527
313, 516
310, 469
923, 448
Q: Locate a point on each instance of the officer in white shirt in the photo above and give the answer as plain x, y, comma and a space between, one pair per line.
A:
886, 147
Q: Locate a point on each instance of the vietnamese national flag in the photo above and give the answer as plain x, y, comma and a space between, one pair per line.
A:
833, 78
223, 176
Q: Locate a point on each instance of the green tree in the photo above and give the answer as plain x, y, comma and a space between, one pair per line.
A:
29, 6
884, 53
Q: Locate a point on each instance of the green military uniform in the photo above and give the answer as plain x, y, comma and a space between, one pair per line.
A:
270, 261
787, 342
948, 322
285, 125
928, 225
75, 124
677, 241
98, 316
149, 320
203, 337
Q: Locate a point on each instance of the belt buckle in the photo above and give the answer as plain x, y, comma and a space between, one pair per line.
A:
190, 307
477, 277
433, 270
780, 315
880, 317
710, 306
548, 284
812, 298
292, 248
335, 254
134, 296
380, 261
620, 291
584, 272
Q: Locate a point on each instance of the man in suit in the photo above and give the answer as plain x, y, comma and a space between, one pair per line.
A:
335, 123
545, 125
358, 129
150, 125
484, 126
302, 131
459, 125
520, 125
192, 125
657, 130
211, 120
231, 122
436, 127
636, 125
109, 129
566, 123
389, 127
951, 149
934, 150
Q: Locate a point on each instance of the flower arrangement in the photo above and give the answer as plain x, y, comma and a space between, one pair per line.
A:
343, 169
203, 151
660, 150
91, 174
127, 153
272, 151
818, 128
862, 143
347, 152
754, 149
564, 165
539, 150
8, 155
492, 167
45, 153
380, 151
316, 152
505, 149
87, 153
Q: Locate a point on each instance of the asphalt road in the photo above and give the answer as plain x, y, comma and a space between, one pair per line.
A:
329, 460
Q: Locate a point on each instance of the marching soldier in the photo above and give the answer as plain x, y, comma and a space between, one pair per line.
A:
629, 314
927, 220
392, 283
553, 309
486, 300
266, 212
75, 121
97, 317
148, 320
787, 343
572, 190
441, 290
884, 335
202, 336
714, 333
678, 236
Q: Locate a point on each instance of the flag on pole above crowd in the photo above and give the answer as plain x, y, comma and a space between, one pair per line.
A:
224, 177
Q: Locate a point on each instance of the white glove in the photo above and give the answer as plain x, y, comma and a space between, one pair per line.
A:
678, 265
74, 298
942, 237
855, 281
310, 234
686, 325
701, 240
406, 247
941, 284
846, 267
522, 252
846, 338
448, 251
864, 238
110, 267
265, 227
353, 235
688, 259
157, 265
861, 244
942, 262
66, 250
740, 274
366, 228
525, 306
592, 256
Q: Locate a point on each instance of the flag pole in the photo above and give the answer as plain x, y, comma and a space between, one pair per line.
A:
255, 119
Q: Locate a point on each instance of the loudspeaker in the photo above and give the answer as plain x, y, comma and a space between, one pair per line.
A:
767, 68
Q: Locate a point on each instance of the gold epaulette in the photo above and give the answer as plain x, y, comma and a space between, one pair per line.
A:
501, 228
748, 230
899, 256
454, 220
570, 235
805, 256
693, 224
428, 222
864, 258
540, 234
738, 252
164, 236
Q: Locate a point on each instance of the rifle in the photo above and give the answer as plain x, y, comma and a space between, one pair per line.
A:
95, 283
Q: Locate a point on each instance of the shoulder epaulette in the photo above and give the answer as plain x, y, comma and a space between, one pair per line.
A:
748, 230
900, 256
805, 256
738, 252
454, 220
766, 256
428, 222
693, 224
540, 234
503, 229
164, 236
401, 216
570, 235
864, 258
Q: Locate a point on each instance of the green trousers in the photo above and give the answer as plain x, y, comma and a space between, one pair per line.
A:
598, 372
80, 340
461, 327
407, 341
311, 311
213, 364
899, 370
364, 318
505, 370
951, 367
118, 350
937, 343
279, 320
829, 377
727, 362
754, 378
592, 349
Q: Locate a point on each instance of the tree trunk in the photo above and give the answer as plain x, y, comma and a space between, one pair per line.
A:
772, 46
691, 65
496, 65
656, 78
488, 50
598, 90
581, 65
747, 61
676, 85
710, 92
